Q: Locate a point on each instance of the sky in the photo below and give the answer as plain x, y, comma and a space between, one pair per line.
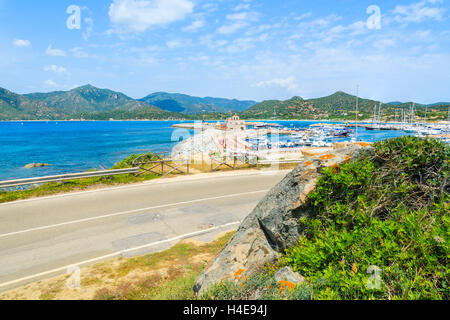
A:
244, 49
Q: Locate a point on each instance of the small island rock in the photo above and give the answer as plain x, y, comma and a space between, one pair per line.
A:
36, 165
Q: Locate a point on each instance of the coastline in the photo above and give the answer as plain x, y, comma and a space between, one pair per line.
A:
190, 120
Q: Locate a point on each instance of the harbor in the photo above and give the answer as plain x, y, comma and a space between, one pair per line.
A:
278, 140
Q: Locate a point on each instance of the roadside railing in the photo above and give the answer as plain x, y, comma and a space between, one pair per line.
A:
155, 164
160, 165
63, 177
240, 161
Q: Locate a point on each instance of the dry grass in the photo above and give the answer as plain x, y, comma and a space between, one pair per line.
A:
166, 275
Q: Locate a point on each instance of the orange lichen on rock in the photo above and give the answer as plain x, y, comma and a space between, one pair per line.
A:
238, 273
364, 144
286, 284
347, 158
327, 157
308, 163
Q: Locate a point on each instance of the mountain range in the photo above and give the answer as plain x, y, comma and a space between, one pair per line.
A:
338, 106
183, 103
91, 103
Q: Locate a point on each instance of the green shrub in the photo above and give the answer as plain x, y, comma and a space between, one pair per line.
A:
389, 210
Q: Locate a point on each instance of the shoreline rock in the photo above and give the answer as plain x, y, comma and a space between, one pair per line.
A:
36, 165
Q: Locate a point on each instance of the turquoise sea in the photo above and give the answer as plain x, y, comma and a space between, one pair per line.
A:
73, 146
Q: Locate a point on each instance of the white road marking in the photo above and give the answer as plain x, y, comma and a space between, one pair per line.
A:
127, 212
193, 234
204, 176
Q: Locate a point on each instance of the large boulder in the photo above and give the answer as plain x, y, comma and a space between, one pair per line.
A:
273, 225
288, 274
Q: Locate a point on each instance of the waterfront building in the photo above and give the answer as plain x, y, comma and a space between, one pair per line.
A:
235, 123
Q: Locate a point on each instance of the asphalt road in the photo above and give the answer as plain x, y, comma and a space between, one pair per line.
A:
42, 237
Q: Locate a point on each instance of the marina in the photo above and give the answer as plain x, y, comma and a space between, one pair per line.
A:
281, 140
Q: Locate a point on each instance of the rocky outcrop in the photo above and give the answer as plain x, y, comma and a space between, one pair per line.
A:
288, 274
273, 225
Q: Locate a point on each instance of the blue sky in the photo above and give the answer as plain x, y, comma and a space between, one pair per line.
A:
245, 49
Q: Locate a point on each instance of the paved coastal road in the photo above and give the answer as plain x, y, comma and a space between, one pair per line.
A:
41, 237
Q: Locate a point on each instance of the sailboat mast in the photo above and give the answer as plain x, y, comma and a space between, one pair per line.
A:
379, 114
374, 115
356, 123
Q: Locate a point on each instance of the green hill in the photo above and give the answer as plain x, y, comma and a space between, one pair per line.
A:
86, 102
144, 113
14, 106
338, 106
87, 99
177, 102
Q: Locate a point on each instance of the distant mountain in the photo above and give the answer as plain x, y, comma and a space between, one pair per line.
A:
439, 104
396, 103
88, 102
177, 102
87, 99
14, 106
338, 106
83, 102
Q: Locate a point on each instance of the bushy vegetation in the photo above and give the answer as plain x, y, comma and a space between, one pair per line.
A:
379, 225
338, 106
260, 286
144, 113
378, 228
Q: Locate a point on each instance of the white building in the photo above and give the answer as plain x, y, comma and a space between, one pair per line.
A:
235, 123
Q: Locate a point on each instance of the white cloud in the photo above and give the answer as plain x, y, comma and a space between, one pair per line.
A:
384, 43
55, 52
232, 28
353, 29
55, 69
303, 16
418, 12
173, 44
78, 52
262, 28
194, 26
242, 6
210, 7
238, 21
21, 43
238, 16
140, 15
423, 35
289, 83
50, 83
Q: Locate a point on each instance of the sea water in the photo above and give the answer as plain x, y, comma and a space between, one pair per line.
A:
77, 146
